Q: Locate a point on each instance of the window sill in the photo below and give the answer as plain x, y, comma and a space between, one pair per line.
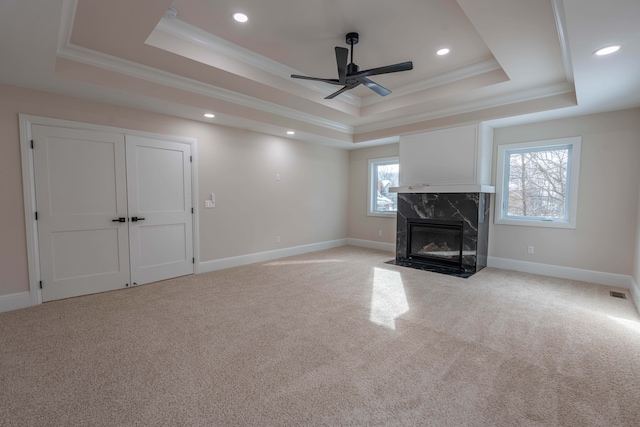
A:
383, 214
535, 223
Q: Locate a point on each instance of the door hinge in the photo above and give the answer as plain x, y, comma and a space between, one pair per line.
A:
190, 159
191, 210
40, 284
36, 215
193, 260
32, 144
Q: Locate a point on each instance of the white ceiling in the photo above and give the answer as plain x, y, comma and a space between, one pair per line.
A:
511, 61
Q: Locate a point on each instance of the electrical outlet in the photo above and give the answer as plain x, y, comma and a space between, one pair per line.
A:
379, 232
277, 239
529, 249
277, 177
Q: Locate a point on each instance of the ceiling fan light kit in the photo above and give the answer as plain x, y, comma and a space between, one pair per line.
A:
350, 76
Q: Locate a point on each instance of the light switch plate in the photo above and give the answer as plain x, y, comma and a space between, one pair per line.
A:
209, 204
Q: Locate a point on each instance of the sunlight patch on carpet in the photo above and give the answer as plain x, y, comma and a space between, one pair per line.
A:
629, 324
388, 300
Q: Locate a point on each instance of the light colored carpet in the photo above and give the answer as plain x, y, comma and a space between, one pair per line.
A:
335, 337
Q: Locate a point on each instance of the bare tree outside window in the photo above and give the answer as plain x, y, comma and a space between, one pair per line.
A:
538, 182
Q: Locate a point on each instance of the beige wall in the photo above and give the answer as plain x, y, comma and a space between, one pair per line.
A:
308, 205
636, 260
605, 237
361, 226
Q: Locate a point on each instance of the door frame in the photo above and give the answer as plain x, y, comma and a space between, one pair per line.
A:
29, 191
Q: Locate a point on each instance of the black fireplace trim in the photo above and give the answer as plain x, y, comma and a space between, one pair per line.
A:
435, 261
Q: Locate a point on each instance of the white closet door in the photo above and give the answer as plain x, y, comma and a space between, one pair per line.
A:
80, 182
159, 195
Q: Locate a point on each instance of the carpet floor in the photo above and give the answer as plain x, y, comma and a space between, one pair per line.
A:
335, 337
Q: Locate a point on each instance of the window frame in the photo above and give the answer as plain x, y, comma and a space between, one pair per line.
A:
573, 173
370, 187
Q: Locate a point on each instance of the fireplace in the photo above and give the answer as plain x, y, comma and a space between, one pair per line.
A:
443, 232
443, 200
435, 242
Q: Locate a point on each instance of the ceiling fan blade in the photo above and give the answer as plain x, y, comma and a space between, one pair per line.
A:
342, 55
383, 91
403, 66
344, 89
317, 79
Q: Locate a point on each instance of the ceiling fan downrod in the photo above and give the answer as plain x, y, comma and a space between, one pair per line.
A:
352, 39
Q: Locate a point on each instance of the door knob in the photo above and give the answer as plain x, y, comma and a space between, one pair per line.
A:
136, 219
121, 219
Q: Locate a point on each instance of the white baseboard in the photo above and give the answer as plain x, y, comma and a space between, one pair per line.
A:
609, 279
15, 301
371, 244
219, 264
635, 293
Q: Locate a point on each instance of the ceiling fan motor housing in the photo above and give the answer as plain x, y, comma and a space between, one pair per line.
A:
352, 38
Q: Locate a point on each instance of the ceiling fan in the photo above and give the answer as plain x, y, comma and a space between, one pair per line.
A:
349, 75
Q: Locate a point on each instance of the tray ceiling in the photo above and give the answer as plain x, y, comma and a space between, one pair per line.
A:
508, 58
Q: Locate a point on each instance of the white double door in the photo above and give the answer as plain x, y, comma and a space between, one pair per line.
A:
113, 210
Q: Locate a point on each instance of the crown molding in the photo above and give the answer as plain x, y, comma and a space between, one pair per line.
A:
439, 80
133, 69
66, 22
101, 60
496, 101
558, 13
197, 36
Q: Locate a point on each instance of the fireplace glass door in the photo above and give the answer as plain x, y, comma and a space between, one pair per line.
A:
435, 242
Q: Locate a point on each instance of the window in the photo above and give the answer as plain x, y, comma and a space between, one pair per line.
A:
383, 174
537, 183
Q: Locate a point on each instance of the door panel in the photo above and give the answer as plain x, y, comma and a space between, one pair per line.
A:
162, 244
159, 190
80, 182
85, 253
160, 175
94, 162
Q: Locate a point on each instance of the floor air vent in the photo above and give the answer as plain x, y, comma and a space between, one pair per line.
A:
618, 294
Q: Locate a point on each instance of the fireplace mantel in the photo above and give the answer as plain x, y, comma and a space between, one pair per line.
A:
443, 188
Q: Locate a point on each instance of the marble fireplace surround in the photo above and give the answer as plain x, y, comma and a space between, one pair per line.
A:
470, 208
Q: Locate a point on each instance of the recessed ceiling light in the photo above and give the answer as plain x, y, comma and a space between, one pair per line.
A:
607, 50
209, 115
442, 51
240, 17
290, 132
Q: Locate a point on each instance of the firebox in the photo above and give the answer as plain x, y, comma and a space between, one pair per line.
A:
437, 242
